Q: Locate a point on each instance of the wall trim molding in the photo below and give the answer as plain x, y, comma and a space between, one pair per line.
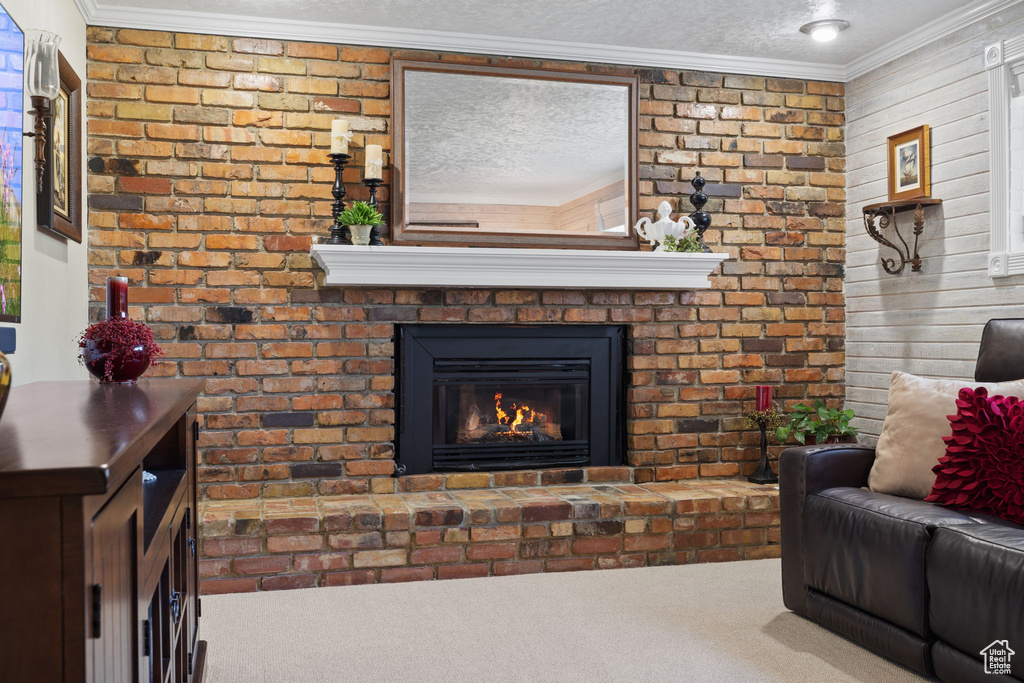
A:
98, 14
929, 33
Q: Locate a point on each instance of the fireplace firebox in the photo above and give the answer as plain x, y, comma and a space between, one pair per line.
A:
498, 397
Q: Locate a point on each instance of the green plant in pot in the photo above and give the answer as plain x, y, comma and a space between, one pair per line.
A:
817, 424
360, 218
689, 243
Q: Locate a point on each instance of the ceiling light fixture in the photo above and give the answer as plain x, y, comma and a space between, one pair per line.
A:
825, 30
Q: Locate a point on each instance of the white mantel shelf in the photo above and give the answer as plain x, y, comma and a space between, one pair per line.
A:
521, 268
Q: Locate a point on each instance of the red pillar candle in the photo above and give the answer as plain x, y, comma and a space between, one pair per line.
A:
117, 297
764, 397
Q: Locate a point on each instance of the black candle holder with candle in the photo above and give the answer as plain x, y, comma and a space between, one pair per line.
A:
764, 417
373, 184
339, 233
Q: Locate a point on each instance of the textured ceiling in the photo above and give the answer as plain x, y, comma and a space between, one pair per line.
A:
742, 28
482, 139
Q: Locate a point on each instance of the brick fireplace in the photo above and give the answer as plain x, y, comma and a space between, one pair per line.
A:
207, 183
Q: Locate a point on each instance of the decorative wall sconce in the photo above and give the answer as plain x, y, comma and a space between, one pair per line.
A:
885, 213
42, 82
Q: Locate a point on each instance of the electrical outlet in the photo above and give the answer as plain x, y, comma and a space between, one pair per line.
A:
8, 339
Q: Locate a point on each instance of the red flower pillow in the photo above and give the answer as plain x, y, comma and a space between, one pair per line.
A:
983, 468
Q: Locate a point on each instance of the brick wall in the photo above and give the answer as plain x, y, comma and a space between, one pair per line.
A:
208, 179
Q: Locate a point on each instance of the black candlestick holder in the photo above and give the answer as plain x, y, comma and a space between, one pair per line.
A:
701, 218
763, 474
339, 233
373, 184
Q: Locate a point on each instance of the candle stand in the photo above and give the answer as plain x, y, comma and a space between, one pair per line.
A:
701, 218
339, 233
763, 474
373, 184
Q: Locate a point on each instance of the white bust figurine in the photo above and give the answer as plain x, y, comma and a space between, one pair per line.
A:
656, 232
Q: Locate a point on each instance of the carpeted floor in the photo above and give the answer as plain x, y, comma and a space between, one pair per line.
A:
708, 622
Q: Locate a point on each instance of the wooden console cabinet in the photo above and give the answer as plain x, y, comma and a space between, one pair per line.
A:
98, 569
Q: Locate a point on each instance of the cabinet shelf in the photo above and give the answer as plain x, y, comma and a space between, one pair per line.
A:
157, 497
92, 541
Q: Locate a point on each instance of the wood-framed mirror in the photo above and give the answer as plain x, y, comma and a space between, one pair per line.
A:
494, 156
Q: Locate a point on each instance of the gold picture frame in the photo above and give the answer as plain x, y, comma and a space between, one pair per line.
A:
910, 164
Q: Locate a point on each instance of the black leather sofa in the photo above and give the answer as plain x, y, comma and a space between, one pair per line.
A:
920, 584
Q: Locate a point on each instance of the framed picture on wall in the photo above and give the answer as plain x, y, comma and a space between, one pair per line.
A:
910, 165
12, 79
59, 202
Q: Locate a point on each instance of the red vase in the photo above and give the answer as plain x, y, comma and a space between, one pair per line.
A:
131, 367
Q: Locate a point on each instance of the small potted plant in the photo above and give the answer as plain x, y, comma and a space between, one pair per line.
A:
360, 218
689, 243
118, 349
818, 424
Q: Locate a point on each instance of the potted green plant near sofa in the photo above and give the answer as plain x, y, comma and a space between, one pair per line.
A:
360, 218
817, 424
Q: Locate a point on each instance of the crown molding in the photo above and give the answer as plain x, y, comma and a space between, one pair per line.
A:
481, 199
98, 14
517, 200
921, 36
593, 186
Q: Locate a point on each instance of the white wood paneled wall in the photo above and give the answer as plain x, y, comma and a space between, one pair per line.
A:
926, 323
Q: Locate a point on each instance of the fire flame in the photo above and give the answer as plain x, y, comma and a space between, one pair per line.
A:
502, 415
521, 417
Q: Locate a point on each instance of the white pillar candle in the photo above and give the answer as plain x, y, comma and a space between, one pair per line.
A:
340, 136
374, 162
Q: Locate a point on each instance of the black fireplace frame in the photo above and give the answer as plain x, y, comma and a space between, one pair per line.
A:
420, 347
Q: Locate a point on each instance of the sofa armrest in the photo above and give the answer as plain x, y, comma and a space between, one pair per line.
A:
804, 470
816, 468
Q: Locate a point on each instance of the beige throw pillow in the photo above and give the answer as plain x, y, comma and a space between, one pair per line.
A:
911, 442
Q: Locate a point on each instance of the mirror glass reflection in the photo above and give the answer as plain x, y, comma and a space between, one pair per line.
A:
520, 155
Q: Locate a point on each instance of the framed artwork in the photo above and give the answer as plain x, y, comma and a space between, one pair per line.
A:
910, 165
59, 201
12, 60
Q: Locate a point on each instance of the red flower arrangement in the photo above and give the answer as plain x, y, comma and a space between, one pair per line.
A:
983, 468
118, 350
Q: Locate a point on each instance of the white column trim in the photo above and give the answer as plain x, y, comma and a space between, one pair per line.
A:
999, 58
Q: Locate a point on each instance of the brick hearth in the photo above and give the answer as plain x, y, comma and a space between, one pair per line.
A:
344, 540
